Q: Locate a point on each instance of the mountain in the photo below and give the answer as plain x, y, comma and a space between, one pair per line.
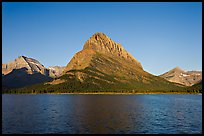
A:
24, 71
196, 88
187, 78
55, 71
32, 65
104, 65
22, 77
198, 83
99, 46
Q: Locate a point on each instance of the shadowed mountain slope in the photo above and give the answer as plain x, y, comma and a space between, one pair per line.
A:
21, 77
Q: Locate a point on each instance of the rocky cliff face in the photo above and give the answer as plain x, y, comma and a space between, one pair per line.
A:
101, 44
187, 78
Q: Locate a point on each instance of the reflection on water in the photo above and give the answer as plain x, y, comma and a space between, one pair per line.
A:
154, 113
107, 114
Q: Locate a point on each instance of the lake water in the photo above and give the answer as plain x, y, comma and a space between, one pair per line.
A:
148, 113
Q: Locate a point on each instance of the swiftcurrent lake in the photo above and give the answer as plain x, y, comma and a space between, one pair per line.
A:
101, 114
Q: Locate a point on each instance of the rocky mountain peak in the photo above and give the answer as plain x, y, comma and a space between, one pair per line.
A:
178, 69
99, 42
22, 57
16, 64
31, 64
100, 36
178, 75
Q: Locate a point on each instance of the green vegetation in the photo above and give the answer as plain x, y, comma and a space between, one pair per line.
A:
101, 67
194, 89
98, 82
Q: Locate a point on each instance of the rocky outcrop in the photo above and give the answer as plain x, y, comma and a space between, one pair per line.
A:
99, 42
187, 78
55, 71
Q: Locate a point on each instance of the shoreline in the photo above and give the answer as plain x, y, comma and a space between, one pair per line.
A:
106, 93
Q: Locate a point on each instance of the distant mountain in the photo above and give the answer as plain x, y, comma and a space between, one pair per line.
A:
197, 87
104, 65
55, 71
198, 83
32, 65
187, 78
24, 71
21, 77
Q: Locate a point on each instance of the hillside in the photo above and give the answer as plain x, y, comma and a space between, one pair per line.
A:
104, 66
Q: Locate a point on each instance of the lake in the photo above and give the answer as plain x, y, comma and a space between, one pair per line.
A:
107, 114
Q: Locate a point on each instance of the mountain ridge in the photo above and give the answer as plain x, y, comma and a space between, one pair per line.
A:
104, 66
187, 78
33, 66
24, 71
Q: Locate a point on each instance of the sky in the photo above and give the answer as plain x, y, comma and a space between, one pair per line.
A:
160, 35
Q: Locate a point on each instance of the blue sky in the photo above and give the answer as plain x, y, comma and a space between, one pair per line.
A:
159, 35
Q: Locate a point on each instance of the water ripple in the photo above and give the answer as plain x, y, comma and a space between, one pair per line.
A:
102, 114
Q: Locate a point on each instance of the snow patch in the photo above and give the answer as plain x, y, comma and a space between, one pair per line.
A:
51, 68
184, 75
35, 63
